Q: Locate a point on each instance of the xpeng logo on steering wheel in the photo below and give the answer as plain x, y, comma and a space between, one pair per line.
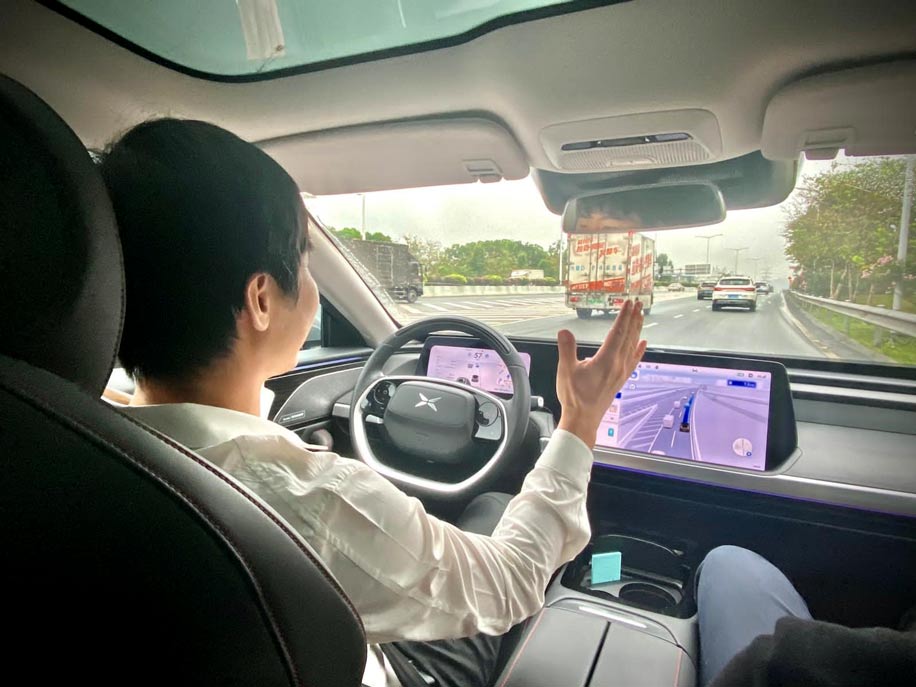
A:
431, 402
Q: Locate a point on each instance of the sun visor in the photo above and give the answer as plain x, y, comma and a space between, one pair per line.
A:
864, 111
400, 155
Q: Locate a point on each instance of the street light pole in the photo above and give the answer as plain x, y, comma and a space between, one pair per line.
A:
708, 238
737, 251
363, 226
904, 230
755, 261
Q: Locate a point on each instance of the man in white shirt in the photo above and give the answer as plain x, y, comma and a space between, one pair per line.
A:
219, 299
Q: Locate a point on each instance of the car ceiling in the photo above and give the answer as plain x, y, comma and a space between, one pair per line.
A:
727, 57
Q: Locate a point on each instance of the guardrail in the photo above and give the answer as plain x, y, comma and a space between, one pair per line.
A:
892, 320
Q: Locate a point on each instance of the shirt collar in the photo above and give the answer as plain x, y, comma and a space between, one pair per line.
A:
198, 426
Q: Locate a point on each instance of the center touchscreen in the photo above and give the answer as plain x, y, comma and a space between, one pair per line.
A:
703, 414
481, 368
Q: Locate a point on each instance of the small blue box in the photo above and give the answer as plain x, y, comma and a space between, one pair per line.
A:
606, 567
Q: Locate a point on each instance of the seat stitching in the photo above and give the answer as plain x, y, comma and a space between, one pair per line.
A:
129, 455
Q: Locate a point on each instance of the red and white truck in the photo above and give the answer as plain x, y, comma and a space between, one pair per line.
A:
604, 270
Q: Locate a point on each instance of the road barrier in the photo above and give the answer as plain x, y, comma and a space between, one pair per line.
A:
480, 290
435, 291
892, 320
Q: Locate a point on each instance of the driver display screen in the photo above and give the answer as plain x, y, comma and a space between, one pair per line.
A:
703, 414
481, 368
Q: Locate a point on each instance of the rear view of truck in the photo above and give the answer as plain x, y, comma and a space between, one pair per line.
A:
390, 265
605, 270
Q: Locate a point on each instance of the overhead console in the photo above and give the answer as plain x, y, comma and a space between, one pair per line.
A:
638, 141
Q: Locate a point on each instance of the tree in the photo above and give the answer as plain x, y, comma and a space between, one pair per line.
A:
662, 260
841, 230
346, 233
428, 253
378, 236
480, 258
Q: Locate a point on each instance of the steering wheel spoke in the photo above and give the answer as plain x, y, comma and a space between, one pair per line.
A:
440, 422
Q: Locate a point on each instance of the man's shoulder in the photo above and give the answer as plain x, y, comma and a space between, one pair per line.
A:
198, 426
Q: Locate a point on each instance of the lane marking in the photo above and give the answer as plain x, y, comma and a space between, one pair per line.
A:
479, 305
695, 310
412, 311
435, 307
678, 316
651, 324
458, 305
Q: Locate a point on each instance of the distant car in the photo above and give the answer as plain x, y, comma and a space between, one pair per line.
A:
675, 286
668, 421
735, 291
677, 404
763, 287
704, 291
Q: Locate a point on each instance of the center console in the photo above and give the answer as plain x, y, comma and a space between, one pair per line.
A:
638, 630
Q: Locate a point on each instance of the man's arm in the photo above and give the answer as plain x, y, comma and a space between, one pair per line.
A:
413, 576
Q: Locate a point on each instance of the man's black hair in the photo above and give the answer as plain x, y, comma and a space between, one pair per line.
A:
200, 211
608, 205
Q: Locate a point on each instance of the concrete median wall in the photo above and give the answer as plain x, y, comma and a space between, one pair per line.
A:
469, 290
455, 290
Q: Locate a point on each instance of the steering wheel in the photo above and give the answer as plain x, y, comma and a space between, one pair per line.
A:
438, 420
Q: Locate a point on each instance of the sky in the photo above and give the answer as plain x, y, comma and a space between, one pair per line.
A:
515, 210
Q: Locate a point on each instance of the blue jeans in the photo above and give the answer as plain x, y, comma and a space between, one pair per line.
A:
740, 596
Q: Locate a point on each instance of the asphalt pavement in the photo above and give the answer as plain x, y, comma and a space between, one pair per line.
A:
681, 322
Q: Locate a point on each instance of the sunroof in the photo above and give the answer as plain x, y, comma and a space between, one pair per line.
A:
251, 38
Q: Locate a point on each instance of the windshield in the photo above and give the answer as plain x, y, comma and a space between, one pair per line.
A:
817, 276
257, 37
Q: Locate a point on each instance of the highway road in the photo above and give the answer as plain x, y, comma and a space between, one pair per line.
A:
683, 322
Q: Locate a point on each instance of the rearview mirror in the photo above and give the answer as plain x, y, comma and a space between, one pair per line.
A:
667, 206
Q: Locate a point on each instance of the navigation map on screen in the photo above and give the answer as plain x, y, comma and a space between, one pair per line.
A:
704, 414
481, 368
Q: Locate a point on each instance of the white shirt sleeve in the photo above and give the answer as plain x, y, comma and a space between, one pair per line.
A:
411, 575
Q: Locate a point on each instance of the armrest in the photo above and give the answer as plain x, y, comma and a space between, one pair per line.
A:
578, 648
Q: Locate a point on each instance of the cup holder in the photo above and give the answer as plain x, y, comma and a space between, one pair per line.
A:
653, 577
646, 595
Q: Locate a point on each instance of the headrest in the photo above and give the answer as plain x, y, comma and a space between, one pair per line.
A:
61, 273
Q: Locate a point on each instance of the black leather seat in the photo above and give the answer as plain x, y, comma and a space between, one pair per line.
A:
125, 558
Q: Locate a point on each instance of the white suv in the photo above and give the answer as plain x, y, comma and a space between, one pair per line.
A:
735, 291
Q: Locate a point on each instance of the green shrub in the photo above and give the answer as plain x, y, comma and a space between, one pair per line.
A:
454, 279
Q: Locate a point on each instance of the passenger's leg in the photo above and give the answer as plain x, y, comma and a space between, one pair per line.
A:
740, 596
469, 661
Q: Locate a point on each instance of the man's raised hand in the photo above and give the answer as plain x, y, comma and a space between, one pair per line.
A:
587, 387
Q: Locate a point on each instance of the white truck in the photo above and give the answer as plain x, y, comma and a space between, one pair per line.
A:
605, 270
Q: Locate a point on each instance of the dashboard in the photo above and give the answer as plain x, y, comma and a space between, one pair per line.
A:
706, 409
852, 432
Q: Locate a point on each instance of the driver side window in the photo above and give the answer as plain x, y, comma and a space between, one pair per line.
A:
313, 340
